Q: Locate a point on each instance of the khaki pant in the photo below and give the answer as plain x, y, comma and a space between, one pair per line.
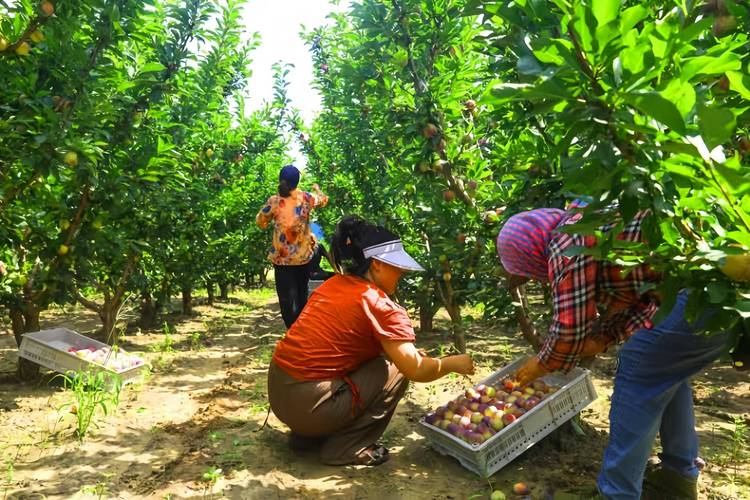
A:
323, 408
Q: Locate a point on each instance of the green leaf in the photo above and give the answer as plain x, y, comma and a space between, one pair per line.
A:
740, 83
657, 107
632, 16
716, 124
717, 291
682, 94
710, 65
152, 67
742, 307
605, 11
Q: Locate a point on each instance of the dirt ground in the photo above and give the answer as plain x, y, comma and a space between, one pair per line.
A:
202, 407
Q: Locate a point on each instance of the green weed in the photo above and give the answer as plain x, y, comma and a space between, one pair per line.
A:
91, 392
210, 477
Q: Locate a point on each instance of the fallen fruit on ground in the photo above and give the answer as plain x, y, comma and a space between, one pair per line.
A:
521, 489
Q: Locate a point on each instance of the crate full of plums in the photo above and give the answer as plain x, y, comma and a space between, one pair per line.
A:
492, 423
63, 350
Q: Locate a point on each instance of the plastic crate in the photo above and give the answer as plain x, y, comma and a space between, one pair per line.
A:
575, 392
49, 348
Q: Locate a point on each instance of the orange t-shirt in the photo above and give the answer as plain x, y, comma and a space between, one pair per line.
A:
340, 329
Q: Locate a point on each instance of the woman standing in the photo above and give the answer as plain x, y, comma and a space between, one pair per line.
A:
293, 243
338, 374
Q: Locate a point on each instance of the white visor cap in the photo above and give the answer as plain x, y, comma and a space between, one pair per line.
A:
393, 253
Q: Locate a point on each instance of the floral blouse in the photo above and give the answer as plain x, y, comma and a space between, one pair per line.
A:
293, 242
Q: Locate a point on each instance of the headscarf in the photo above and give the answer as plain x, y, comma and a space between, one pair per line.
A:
522, 242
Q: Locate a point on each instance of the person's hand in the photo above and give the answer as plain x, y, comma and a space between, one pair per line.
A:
530, 371
592, 347
463, 364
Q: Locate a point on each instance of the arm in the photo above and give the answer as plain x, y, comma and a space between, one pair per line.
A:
319, 199
418, 368
265, 215
574, 312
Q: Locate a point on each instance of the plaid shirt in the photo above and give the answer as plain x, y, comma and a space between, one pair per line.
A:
580, 284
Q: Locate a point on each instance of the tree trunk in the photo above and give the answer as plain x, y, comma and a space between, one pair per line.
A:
248, 280
263, 278
425, 318
210, 292
187, 300
108, 315
459, 339
224, 291
148, 311
24, 321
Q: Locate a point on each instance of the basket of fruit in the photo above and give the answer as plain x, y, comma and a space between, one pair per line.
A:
495, 421
63, 351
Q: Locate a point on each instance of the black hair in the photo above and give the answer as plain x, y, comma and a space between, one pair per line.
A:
354, 234
284, 188
347, 244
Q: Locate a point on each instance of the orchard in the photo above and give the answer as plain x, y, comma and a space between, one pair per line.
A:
134, 158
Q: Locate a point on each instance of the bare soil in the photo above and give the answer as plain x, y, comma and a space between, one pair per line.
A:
203, 406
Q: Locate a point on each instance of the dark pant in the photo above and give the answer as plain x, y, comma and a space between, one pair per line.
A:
291, 287
323, 408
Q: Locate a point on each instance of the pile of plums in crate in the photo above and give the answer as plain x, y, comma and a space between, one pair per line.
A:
484, 410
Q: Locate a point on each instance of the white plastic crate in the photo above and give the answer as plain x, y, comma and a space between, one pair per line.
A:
49, 348
575, 392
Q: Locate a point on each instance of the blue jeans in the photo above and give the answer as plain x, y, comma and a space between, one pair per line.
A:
652, 394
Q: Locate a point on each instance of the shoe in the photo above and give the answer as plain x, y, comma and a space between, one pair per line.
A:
373, 455
662, 482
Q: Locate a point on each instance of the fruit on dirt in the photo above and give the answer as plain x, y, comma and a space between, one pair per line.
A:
737, 267
63, 249
429, 131
36, 36
22, 49
521, 489
449, 195
71, 158
47, 8
497, 495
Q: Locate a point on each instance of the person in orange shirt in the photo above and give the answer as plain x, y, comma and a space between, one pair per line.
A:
336, 377
293, 242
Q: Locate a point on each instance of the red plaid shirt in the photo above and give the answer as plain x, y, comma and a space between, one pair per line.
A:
581, 284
